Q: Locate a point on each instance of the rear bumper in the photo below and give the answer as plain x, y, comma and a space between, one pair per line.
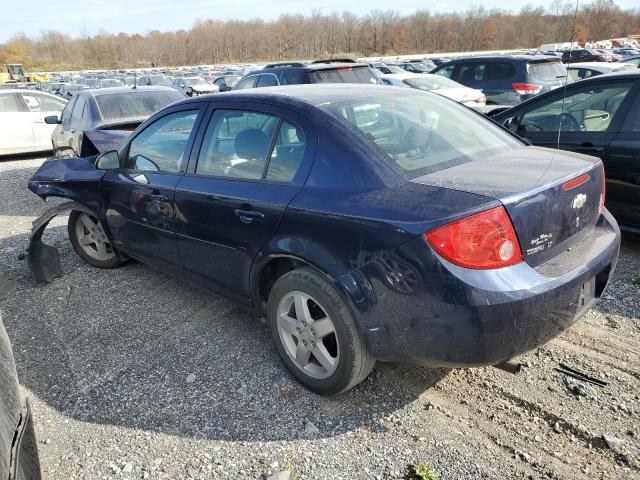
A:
457, 317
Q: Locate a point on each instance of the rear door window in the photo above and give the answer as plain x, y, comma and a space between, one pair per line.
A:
42, 103
632, 123
9, 103
471, 73
500, 71
267, 80
237, 144
66, 113
590, 109
78, 111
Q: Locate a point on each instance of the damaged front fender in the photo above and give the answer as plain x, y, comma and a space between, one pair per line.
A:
74, 178
44, 260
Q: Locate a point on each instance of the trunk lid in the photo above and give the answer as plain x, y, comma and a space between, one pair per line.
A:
529, 183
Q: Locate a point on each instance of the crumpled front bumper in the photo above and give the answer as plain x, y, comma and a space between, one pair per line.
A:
44, 260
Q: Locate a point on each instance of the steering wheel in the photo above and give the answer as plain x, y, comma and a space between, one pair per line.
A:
569, 121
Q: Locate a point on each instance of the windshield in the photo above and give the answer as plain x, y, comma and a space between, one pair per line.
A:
420, 134
192, 82
133, 104
547, 71
111, 82
343, 75
431, 82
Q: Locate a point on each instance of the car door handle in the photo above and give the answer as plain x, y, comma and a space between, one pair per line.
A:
248, 216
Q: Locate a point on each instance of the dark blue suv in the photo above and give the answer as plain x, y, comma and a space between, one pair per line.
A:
506, 80
295, 73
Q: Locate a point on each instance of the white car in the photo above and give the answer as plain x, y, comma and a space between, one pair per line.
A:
22, 126
437, 84
580, 71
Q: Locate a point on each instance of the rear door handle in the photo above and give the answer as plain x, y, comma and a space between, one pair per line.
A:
248, 216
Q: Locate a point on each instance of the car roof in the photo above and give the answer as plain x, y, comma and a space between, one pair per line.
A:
314, 66
498, 58
150, 88
313, 94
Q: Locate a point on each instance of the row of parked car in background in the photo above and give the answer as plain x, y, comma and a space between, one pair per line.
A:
90, 111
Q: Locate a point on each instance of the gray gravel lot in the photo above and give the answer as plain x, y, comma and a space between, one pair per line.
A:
133, 374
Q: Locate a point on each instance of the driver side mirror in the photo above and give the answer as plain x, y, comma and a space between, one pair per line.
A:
108, 160
52, 120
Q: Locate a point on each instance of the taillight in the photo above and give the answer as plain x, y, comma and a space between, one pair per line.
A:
604, 192
481, 241
526, 88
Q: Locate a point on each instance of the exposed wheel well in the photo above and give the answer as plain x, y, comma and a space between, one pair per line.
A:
271, 272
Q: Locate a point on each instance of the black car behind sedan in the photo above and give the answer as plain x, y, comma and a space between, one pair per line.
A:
599, 116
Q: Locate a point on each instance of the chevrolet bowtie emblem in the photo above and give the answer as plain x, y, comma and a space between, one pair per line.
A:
579, 201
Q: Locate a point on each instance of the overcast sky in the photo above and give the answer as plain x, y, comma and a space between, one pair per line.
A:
77, 17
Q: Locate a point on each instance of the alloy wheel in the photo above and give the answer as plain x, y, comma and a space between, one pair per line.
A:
92, 239
308, 335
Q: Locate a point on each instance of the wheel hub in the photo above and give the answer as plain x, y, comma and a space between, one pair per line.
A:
308, 335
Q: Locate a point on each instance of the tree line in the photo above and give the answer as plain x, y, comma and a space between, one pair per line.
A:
318, 35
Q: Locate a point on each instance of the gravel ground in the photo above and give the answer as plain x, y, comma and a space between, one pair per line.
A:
133, 374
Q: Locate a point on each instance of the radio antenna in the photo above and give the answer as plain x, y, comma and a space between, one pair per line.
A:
566, 79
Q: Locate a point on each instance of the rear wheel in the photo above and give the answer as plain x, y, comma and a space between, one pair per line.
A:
90, 241
315, 333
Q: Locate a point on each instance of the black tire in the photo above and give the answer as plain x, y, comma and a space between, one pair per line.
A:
354, 361
113, 262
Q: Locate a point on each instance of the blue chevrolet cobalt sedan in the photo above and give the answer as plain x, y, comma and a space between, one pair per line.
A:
365, 222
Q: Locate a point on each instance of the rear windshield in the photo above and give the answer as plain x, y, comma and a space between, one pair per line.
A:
547, 71
126, 105
343, 75
421, 133
432, 82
